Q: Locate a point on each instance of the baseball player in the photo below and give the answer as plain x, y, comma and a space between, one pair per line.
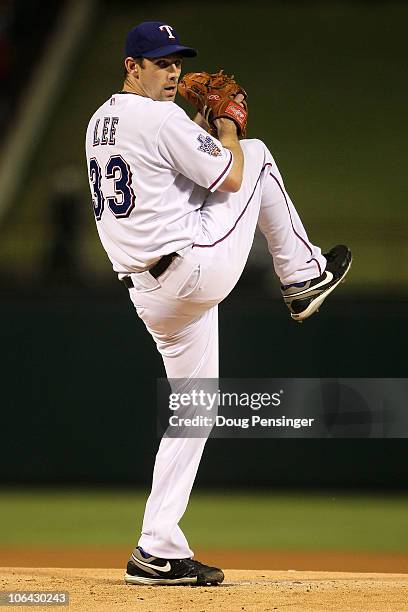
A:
176, 204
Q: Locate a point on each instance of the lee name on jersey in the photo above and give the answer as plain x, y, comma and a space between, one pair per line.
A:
105, 134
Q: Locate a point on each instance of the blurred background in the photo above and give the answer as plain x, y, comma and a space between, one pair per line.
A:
328, 94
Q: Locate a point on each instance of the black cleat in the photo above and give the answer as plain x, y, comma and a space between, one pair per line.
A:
143, 568
303, 299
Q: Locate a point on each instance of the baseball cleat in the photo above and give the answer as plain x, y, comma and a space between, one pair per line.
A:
303, 299
143, 568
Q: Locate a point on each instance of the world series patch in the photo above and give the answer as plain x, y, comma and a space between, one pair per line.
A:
207, 145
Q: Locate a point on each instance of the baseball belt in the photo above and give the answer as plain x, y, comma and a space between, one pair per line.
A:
156, 270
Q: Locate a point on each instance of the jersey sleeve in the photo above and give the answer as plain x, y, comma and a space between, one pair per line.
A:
190, 150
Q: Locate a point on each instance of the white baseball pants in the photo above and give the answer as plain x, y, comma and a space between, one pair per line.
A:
180, 310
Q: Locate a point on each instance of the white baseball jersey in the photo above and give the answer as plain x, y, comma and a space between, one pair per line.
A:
144, 159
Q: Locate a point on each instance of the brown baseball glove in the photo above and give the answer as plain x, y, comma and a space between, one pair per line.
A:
213, 95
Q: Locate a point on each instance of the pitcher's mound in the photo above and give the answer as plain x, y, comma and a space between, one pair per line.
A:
248, 590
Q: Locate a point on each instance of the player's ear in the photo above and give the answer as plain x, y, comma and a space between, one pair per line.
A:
132, 67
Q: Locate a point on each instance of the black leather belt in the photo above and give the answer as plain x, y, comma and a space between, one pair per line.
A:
156, 270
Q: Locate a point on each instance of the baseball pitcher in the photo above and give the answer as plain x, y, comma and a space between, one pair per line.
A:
176, 204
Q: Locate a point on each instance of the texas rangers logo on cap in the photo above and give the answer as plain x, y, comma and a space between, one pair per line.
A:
168, 30
155, 39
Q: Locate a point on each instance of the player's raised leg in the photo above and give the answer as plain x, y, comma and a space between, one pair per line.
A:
229, 221
307, 277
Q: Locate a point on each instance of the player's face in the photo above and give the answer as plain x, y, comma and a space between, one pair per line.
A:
159, 77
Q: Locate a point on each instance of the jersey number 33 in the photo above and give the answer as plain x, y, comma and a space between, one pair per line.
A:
123, 202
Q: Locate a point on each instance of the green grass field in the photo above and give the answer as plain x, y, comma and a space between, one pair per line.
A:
73, 518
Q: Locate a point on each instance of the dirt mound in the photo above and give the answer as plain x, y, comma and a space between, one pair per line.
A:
248, 590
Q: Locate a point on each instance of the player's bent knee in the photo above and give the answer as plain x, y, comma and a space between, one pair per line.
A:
254, 147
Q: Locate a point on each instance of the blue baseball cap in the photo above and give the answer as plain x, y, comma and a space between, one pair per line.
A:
155, 39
